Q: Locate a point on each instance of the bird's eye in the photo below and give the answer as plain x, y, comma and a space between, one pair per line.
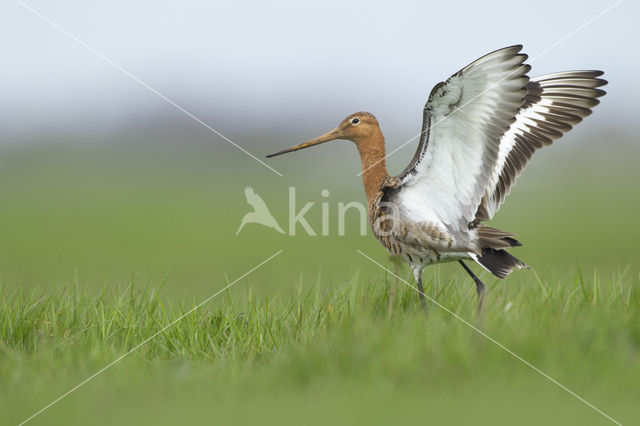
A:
355, 121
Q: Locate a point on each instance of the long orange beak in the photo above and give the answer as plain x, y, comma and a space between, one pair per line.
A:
332, 135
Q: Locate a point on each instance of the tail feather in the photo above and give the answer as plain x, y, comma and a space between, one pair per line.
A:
499, 262
488, 237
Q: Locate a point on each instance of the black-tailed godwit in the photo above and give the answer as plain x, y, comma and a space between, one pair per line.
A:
480, 128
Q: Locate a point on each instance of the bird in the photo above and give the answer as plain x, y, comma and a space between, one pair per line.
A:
260, 213
480, 129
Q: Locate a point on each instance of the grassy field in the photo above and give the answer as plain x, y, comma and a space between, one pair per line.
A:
101, 251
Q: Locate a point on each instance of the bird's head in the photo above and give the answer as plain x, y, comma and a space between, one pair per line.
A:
358, 127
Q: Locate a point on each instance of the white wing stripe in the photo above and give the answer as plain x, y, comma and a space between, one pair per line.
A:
555, 103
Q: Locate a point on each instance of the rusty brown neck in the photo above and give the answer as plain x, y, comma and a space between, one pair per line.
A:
374, 166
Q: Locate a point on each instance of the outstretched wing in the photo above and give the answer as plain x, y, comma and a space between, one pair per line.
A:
553, 105
464, 120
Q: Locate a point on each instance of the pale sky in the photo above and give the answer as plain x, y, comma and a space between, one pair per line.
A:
255, 66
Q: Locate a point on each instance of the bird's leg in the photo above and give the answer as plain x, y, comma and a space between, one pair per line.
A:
479, 284
417, 274
394, 290
421, 290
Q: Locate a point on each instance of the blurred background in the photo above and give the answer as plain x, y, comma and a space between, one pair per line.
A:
104, 182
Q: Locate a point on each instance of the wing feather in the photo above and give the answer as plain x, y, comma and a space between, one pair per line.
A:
464, 119
553, 105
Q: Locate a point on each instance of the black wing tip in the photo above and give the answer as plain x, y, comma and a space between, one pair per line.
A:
598, 93
513, 50
601, 82
586, 73
563, 78
594, 74
509, 50
516, 47
589, 74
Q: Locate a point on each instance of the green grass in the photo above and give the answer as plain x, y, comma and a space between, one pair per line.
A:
100, 251
337, 345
